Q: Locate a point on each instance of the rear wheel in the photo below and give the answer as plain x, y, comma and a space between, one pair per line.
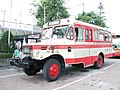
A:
99, 62
51, 70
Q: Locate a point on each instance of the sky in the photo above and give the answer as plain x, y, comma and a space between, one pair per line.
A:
20, 11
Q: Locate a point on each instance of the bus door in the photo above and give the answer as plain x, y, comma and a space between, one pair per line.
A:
88, 42
82, 50
70, 53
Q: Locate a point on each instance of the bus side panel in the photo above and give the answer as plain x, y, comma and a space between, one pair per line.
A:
84, 60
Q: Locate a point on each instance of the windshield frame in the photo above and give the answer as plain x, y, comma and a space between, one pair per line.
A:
43, 34
54, 28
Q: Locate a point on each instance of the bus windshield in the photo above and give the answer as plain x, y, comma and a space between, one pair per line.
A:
59, 31
116, 43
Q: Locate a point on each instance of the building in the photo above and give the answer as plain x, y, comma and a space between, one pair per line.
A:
20, 32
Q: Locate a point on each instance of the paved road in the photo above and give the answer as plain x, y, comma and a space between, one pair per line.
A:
106, 78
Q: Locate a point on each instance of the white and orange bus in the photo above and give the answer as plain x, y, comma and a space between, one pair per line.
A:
116, 45
65, 42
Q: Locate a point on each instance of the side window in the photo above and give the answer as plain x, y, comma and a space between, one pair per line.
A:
79, 34
95, 35
70, 34
110, 37
86, 35
106, 36
76, 32
101, 35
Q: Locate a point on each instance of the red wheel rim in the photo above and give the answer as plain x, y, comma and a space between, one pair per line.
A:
100, 62
54, 69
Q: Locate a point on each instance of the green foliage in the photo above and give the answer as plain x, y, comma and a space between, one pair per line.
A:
6, 55
53, 9
4, 47
92, 18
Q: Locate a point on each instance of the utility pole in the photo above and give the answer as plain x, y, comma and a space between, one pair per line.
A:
83, 8
33, 14
9, 23
100, 7
20, 20
33, 21
16, 26
44, 12
4, 12
44, 15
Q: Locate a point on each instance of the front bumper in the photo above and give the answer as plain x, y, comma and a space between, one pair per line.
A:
20, 63
116, 54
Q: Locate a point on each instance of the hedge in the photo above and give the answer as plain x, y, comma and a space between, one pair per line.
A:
5, 55
4, 46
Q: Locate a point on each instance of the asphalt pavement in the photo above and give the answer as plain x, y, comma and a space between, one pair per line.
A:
106, 78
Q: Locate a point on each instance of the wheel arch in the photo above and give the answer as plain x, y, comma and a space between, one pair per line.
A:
59, 58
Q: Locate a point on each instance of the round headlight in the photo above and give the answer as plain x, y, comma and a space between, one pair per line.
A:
26, 49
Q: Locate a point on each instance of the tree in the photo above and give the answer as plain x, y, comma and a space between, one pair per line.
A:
92, 18
49, 10
4, 47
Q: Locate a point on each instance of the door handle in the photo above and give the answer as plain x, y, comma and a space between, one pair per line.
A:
69, 49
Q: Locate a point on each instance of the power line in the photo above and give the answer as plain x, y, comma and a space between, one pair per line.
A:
15, 23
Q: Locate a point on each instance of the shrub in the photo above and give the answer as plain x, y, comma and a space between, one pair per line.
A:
6, 55
4, 47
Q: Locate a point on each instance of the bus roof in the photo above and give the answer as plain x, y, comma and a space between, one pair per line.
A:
69, 21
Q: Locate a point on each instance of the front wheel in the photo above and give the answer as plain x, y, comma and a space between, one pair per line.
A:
99, 62
51, 70
31, 71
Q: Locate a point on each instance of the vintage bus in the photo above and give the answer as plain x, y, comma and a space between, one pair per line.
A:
66, 42
116, 45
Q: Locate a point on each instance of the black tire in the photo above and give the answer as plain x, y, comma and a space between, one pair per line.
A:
31, 71
51, 70
98, 64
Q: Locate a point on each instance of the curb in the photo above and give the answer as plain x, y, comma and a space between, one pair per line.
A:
5, 62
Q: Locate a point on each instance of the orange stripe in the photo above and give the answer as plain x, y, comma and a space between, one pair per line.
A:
72, 46
86, 60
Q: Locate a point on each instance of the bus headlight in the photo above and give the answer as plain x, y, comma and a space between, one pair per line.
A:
26, 50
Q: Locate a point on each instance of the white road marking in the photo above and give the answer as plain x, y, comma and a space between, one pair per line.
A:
6, 76
68, 84
109, 66
58, 88
11, 69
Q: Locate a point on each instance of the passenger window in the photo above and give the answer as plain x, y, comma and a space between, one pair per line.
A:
108, 36
101, 35
76, 31
87, 35
95, 35
79, 34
